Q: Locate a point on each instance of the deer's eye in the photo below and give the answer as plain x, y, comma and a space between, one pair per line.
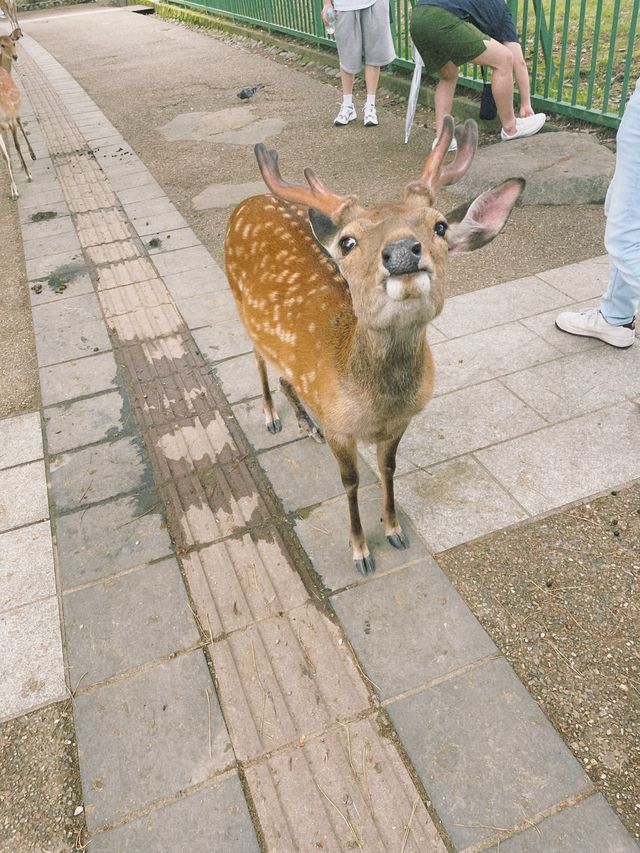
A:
347, 244
440, 229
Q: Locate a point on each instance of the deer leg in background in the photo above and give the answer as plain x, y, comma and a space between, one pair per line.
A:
5, 154
14, 133
347, 458
26, 139
386, 452
270, 414
305, 421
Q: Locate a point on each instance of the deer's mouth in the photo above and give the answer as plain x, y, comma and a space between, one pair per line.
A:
408, 286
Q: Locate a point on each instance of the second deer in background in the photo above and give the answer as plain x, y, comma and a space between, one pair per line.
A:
337, 297
10, 110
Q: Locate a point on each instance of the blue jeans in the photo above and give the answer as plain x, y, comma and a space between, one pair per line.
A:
622, 233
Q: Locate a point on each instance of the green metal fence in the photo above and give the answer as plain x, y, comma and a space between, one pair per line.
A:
583, 55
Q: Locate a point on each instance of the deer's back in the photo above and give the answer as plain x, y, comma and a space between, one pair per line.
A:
293, 301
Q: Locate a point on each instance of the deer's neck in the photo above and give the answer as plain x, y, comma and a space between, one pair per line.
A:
388, 363
6, 63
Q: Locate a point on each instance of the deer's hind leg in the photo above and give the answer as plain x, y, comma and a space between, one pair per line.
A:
14, 133
305, 421
386, 452
272, 420
32, 153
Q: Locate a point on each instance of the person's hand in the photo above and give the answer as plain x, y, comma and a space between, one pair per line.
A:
526, 111
325, 8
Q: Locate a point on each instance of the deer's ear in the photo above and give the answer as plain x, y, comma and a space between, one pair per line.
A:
486, 217
323, 227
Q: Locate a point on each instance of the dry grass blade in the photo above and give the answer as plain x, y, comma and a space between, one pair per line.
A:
209, 707
356, 837
407, 828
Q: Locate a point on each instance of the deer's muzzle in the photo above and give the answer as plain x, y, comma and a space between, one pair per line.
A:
402, 257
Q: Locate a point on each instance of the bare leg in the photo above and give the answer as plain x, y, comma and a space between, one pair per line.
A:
521, 73
305, 422
371, 78
5, 154
270, 414
445, 90
500, 59
386, 451
347, 458
347, 82
26, 138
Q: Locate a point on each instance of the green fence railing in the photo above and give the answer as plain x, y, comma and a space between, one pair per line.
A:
583, 55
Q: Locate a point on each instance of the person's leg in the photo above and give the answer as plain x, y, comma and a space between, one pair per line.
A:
347, 81
445, 90
371, 78
500, 60
521, 73
349, 44
622, 233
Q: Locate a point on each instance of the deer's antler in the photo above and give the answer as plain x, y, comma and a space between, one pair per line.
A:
316, 195
434, 175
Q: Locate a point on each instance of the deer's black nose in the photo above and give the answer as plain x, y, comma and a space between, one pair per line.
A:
402, 257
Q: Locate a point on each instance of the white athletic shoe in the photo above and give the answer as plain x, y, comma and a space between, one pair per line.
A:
527, 126
346, 114
370, 116
591, 324
453, 145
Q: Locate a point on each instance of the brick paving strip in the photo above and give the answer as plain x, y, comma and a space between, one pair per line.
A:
137, 427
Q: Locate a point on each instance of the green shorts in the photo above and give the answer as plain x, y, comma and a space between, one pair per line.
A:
440, 37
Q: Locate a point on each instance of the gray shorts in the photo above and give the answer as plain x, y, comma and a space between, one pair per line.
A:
364, 32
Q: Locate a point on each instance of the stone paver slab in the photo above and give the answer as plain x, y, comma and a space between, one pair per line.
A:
285, 678
239, 378
195, 283
410, 627
20, 440
185, 260
23, 495
126, 621
497, 305
590, 827
250, 416
305, 473
78, 378
104, 539
67, 283
465, 420
72, 425
147, 737
45, 246
346, 790
585, 280
209, 309
485, 752
578, 384
324, 534
570, 460
51, 265
178, 238
242, 580
213, 818
67, 343
75, 311
83, 477
223, 341
455, 502
26, 565
31, 664
487, 355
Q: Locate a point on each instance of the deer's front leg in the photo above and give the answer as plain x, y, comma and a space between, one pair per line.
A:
272, 421
386, 451
347, 457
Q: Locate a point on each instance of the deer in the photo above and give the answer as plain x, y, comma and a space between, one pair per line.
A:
336, 297
11, 12
10, 110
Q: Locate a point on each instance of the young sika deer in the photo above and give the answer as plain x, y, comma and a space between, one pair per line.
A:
9, 9
10, 109
337, 297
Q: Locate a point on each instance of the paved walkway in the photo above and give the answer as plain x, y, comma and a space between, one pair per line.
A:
219, 702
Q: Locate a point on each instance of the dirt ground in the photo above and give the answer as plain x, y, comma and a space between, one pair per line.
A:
559, 595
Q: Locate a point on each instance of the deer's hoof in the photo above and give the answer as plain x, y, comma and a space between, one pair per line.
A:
399, 540
274, 426
366, 565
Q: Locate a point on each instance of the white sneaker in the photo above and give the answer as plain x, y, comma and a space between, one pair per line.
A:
346, 114
453, 145
528, 126
370, 116
591, 324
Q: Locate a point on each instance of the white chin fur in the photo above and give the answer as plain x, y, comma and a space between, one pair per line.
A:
396, 287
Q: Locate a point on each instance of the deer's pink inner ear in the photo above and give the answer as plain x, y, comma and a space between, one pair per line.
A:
486, 217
